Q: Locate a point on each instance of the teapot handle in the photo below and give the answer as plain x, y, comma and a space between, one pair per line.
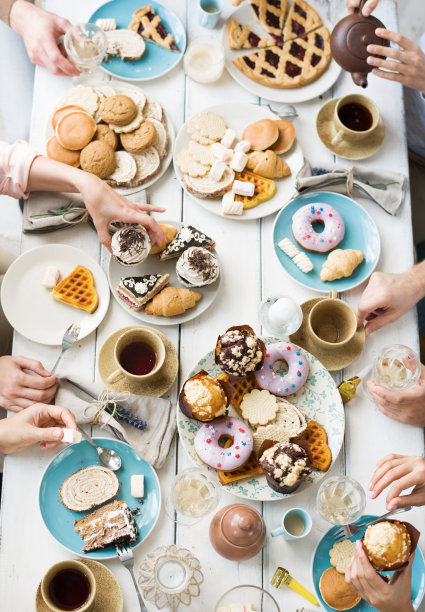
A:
361, 5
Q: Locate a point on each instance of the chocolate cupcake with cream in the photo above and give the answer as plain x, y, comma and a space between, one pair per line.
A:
239, 352
285, 465
197, 267
203, 397
131, 245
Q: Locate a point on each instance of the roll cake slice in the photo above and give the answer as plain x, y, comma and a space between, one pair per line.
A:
88, 488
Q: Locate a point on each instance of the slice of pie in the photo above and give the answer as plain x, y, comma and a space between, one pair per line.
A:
188, 236
137, 290
298, 63
302, 19
271, 14
242, 37
148, 24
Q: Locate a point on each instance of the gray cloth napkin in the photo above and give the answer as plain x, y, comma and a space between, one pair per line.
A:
385, 188
46, 211
152, 443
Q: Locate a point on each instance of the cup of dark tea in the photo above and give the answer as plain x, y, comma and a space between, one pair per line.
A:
139, 354
356, 118
69, 585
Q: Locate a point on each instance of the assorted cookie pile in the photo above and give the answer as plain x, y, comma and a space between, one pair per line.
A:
340, 262
272, 436
117, 134
296, 51
196, 267
216, 164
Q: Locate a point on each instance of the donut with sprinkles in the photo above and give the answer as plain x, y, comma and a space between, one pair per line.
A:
311, 240
223, 457
295, 377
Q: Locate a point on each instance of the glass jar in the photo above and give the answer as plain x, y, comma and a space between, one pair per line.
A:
204, 59
340, 500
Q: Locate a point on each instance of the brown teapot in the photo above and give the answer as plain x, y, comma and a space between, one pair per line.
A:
349, 41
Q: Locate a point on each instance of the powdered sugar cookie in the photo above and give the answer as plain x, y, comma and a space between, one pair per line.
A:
259, 407
153, 110
160, 142
190, 166
208, 124
130, 127
137, 95
83, 96
269, 432
125, 168
341, 553
201, 153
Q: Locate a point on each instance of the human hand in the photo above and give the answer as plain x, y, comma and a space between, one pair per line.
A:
18, 389
407, 64
392, 597
105, 205
367, 9
403, 472
40, 31
40, 423
388, 296
406, 407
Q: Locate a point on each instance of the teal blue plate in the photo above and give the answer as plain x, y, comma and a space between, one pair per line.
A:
321, 562
60, 521
360, 233
155, 61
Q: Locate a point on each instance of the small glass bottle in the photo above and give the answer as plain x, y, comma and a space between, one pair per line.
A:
280, 315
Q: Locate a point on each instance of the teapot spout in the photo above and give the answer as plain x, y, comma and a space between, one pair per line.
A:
359, 78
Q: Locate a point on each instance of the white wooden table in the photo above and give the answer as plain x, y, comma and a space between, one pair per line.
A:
250, 272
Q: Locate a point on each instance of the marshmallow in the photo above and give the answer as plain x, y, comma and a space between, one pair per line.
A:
221, 153
70, 436
243, 188
243, 146
228, 139
229, 206
217, 170
137, 485
51, 277
239, 161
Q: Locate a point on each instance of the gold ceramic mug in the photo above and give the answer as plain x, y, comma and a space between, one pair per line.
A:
332, 323
76, 566
137, 334
342, 132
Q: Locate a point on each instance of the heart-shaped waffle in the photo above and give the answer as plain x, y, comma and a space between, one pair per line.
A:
240, 389
318, 441
264, 189
78, 290
248, 469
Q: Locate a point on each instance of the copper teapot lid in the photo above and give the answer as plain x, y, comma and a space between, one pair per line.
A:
241, 525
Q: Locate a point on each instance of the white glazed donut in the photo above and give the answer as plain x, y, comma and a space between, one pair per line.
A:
228, 459
306, 235
293, 380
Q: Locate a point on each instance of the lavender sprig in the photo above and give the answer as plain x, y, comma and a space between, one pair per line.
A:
126, 416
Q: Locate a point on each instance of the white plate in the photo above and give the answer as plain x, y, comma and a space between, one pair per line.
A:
153, 265
165, 161
245, 15
237, 117
28, 305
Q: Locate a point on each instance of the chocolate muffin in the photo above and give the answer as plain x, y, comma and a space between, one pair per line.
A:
285, 466
203, 398
239, 352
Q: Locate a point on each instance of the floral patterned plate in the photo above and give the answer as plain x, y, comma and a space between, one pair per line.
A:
318, 399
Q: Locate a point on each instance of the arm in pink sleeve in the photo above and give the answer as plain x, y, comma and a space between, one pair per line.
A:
15, 164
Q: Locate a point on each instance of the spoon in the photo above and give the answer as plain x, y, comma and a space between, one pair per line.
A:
107, 457
284, 111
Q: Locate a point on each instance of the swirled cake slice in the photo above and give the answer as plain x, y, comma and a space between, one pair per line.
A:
88, 488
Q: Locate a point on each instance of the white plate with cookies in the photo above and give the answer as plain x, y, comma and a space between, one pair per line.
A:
130, 147
236, 117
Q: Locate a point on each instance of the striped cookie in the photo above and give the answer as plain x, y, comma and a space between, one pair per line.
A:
147, 165
153, 110
125, 168
161, 140
130, 127
270, 432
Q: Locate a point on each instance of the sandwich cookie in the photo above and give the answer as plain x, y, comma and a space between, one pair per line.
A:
56, 151
125, 168
60, 112
75, 129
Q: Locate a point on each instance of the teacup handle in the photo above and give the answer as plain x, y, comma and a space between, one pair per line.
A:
277, 532
337, 138
333, 294
116, 375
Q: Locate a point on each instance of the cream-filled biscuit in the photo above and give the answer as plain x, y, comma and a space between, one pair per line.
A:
75, 129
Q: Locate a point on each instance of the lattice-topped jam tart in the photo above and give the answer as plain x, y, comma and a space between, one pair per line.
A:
148, 24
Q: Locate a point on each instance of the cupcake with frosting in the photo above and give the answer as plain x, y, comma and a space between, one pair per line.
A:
131, 245
197, 267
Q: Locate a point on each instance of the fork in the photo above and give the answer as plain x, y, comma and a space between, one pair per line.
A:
349, 530
69, 337
125, 555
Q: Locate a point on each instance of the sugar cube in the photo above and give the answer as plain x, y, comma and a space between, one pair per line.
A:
137, 485
71, 436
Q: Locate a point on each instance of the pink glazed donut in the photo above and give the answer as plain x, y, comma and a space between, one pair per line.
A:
293, 380
306, 235
210, 452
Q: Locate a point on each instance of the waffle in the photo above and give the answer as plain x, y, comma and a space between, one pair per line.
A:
248, 469
318, 442
240, 389
78, 290
264, 189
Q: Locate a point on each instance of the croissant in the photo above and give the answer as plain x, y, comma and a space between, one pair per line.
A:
172, 301
169, 232
268, 164
340, 263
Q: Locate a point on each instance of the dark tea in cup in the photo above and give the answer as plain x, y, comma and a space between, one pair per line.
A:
355, 117
69, 589
138, 358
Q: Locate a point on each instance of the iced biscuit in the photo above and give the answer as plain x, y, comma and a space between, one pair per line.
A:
153, 110
147, 165
160, 142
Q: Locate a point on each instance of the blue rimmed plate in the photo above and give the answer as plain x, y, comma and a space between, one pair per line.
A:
360, 233
155, 61
321, 562
60, 521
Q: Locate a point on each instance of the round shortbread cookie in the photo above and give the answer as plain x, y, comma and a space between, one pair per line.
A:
208, 124
60, 112
203, 140
118, 110
130, 127
86, 97
201, 153
98, 158
160, 142
137, 95
341, 553
56, 151
140, 139
125, 168
259, 407
147, 164
269, 432
104, 133
75, 129
188, 165
153, 110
